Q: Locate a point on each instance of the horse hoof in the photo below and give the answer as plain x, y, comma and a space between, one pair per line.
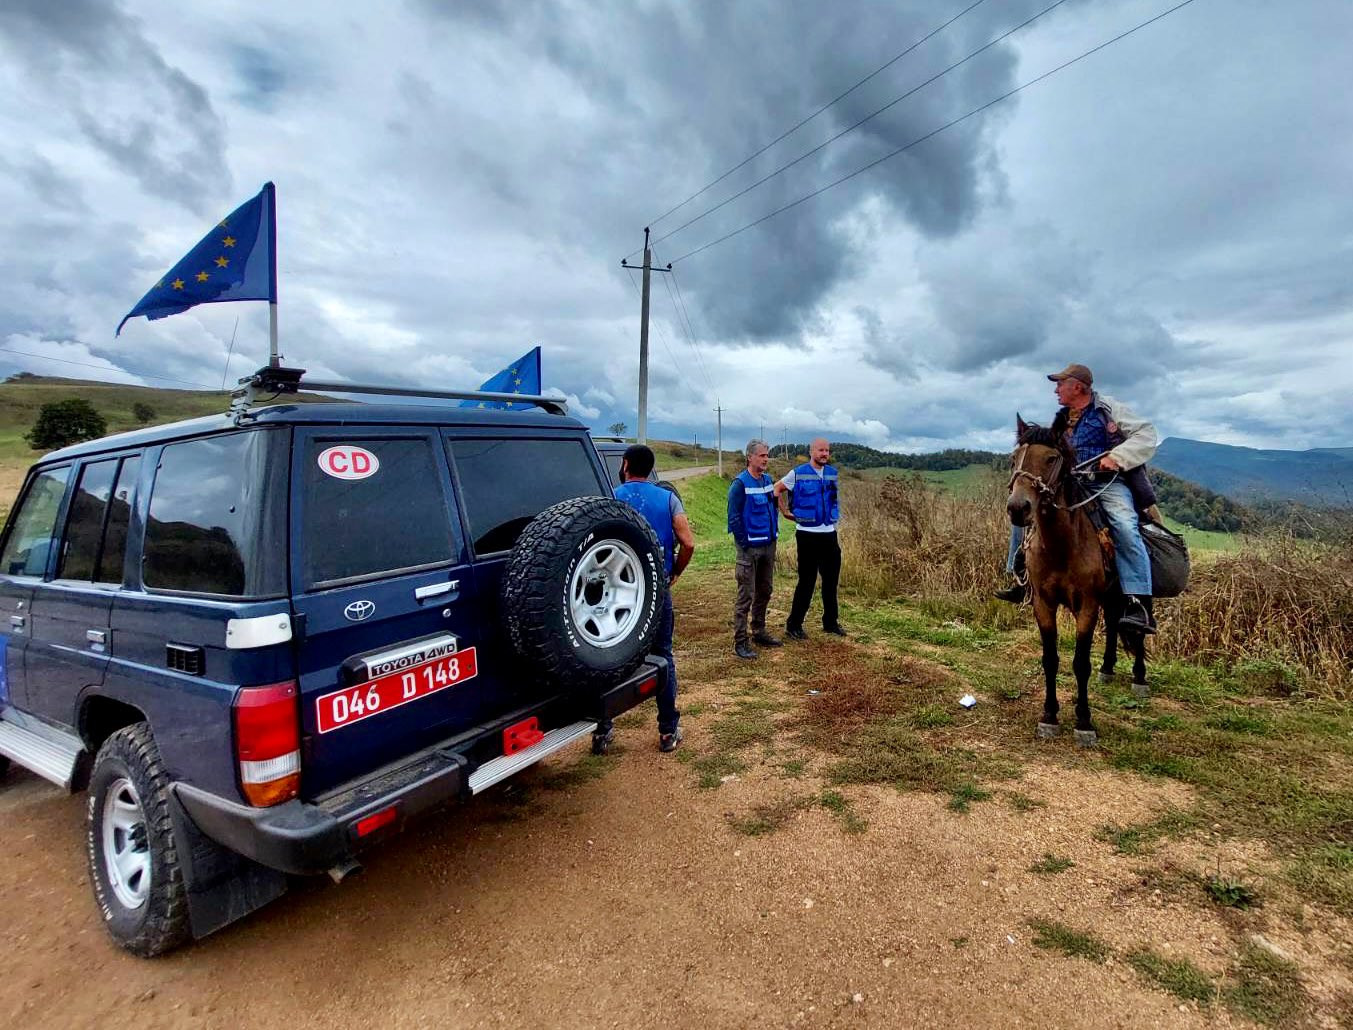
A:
1106, 677
1086, 738
1048, 730
1141, 690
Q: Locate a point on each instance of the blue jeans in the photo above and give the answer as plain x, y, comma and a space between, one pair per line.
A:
668, 716
1130, 557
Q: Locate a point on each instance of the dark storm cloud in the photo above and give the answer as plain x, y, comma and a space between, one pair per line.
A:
152, 121
704, 85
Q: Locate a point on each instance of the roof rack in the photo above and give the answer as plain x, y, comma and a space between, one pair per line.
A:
273, 380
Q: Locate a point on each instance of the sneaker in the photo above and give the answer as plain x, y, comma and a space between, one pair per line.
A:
795, 633
669, 741
766, 640
743, 651
1137, 617
601, 742
835, 631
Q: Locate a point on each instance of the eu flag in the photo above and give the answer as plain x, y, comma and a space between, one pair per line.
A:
522, 376
235, 261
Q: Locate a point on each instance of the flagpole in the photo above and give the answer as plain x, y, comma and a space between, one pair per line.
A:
273, 360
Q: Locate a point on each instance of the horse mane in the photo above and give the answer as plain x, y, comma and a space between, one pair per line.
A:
1046, 436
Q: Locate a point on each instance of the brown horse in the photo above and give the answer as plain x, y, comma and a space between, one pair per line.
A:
1066, 568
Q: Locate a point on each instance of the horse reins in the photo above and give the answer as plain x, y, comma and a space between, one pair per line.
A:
1049, 491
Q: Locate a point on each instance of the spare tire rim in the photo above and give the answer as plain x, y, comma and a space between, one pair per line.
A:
607, 592
126, 851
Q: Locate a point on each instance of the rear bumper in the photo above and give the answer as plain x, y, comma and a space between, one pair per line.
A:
304, 838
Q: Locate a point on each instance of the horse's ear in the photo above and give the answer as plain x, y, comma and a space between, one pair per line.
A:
1020, 427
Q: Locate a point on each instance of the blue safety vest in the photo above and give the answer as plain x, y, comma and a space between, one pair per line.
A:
760, 517
655, 505
815, 501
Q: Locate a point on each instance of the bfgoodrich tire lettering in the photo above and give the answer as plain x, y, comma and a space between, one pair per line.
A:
128, 773
551, 559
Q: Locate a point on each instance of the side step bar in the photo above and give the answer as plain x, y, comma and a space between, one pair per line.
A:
52, 755
501, 768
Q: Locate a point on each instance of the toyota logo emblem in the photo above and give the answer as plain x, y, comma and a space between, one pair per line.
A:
359, 611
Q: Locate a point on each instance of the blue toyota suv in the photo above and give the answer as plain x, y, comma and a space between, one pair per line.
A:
265, 640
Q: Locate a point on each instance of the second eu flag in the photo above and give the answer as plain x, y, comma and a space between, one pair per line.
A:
522, 376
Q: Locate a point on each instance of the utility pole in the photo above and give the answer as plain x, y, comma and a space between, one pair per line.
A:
718, 412
762, 434
786, 442
643, 336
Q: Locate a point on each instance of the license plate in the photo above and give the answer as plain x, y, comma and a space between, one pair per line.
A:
353, 704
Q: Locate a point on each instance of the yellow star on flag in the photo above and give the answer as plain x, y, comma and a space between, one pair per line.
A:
229, 241
178, 284
201, 277
221, 262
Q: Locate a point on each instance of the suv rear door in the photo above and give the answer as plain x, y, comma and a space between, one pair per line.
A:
380, 578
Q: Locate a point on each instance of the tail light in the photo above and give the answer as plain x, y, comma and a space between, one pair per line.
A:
268, 743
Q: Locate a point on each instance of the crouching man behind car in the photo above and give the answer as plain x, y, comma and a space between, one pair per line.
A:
664, 512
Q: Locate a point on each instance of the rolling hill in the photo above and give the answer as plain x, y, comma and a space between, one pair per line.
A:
1319, 477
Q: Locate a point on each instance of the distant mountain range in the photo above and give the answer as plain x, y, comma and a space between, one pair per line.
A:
1320, 476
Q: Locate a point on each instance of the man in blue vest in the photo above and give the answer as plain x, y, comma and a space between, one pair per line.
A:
662, 509
753, 521
814, 511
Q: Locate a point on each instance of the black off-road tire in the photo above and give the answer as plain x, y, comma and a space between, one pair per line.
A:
160, 922
536, 592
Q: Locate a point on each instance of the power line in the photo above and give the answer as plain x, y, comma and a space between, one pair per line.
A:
933, 132
683, 320
662, 338
105, 368
835, 100
851, 128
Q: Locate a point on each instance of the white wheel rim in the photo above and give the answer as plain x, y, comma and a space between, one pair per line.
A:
126, 851
606, 594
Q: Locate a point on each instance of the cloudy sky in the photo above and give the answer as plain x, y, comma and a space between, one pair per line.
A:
459, 181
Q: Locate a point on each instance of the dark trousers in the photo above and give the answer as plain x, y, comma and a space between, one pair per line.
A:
668, 716
755, 573
819, 553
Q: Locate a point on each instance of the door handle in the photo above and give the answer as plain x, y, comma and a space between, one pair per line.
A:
97, 638
435, 589
17, 622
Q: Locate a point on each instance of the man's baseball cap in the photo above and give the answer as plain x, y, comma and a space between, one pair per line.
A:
1074, 372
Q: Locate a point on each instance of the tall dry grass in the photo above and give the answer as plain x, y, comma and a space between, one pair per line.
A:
1282, 599
901, 537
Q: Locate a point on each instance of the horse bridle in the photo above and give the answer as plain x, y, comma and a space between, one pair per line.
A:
1047, 490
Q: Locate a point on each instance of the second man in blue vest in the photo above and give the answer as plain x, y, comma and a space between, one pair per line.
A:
753, 521
814, 510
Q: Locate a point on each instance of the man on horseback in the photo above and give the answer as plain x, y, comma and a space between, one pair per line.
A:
1099, 427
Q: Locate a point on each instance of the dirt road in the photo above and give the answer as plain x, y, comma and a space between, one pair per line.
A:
616, 892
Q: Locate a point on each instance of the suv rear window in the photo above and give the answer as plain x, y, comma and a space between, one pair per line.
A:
394, 520
507, 483
217, 517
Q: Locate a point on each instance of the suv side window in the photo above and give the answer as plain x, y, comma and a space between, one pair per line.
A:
217, 516
119, 517
507, 483
84, 524
392, 520
34, 525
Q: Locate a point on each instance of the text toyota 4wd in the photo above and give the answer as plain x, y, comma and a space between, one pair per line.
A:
262, 642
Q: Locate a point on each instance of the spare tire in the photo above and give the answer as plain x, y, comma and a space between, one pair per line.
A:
582, 592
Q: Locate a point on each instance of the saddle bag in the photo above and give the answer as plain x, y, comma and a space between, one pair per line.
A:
1169, 560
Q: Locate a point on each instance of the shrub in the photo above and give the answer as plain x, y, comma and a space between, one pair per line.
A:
62, 423
142, 412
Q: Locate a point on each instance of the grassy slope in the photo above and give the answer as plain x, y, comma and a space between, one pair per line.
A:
1263, 767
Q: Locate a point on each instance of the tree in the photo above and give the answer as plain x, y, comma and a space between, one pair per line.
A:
617, 428
142, 412
61, 423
